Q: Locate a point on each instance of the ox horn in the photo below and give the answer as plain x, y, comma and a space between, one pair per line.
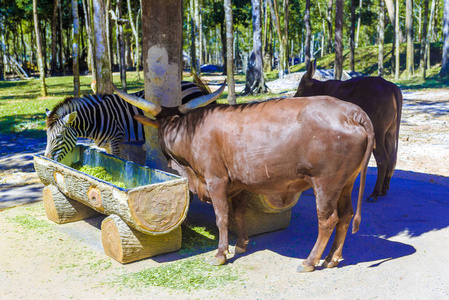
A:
141, 103
203, 100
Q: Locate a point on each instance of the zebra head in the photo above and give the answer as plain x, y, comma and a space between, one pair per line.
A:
61, 136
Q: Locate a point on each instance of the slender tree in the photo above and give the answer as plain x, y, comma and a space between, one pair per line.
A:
359, 24
397, 40
429, 31
409, 31
283, 56
40, 56
329, 25
308, 35
255, 83
338, 65
351, 38
392, 15
380, 70
136, 38
54, 23
230, 53
445, 61
75, 49
422, 51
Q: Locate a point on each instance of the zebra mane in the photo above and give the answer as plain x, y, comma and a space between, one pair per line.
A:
65, 107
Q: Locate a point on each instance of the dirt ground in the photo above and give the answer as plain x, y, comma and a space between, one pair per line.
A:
399, 252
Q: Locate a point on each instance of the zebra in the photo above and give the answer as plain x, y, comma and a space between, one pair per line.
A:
106, 119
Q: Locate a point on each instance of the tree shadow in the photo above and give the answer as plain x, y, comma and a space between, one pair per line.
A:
417, 203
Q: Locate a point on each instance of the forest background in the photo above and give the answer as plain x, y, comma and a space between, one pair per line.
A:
271, 38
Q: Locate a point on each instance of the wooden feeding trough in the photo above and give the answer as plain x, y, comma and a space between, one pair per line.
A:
143, 219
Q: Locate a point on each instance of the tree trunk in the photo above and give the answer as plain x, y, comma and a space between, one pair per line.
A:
162, 68
54, 22
88, 11
308, 35
75, 51
445, 62
351, 38
255, 83
40, 59
338, 65
193, 44
432, 14
136, 39
329, 25
283, 66
229, 50
121, 45
104, 77
380, 70
422, 51
409, 31
359, 23
391, 15
397, 40
61, 42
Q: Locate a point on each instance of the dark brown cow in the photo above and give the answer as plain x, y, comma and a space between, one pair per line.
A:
276, 148
382, 101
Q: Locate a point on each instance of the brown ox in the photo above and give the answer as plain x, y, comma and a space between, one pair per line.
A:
382, 101
276, 148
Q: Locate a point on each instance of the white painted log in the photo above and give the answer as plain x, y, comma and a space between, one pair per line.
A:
61, 209
125, 244
152, 209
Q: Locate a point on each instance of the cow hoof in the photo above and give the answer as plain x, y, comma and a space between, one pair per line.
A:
304, 268
371, 199
329, 264
238, 250
215, 261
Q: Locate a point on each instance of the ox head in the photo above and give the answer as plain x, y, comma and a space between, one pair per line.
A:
158, 112
61, 137
306, 85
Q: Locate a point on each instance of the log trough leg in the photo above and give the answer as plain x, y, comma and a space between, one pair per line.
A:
261, 217
125, 244
61, 209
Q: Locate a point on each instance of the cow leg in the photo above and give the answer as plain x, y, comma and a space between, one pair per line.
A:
217, 192
327, 219
381, 156
239, 203
345, 214
391, 144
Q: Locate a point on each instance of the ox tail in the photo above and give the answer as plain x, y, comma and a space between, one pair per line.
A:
366, 123
399, 100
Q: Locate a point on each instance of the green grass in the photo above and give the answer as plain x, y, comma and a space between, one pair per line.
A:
98, 172
188, 274
30, 222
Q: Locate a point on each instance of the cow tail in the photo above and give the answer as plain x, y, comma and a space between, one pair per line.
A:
399, 100
366, 123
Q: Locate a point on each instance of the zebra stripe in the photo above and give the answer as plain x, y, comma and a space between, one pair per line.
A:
106, 119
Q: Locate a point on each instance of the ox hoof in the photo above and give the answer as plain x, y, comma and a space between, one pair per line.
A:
329, 264
371, 199
215, 261
304, 268
239, 250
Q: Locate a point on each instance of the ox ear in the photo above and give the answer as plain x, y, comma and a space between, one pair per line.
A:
147, 121
311, 71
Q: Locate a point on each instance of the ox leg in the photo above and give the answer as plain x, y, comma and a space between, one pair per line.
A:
239, 203
345, 214
381, 156
392, 149
218, 195
327, 219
